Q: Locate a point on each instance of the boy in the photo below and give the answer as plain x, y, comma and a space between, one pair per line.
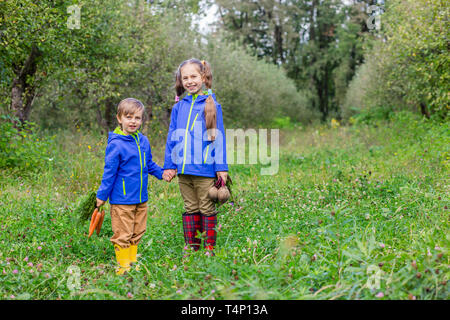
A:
128, 162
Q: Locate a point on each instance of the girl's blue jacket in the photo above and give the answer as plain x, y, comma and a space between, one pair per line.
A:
188, 149
128, 162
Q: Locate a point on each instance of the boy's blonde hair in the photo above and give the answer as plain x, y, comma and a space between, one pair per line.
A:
130, 106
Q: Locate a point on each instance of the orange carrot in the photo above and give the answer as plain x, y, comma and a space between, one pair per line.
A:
94, 221
93, 217
100, 222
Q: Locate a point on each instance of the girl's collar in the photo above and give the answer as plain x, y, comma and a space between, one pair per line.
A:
202, 93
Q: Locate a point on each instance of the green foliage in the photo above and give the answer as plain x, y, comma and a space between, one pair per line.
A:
25, 149
318, 43
86, 206
133, 49
373, 115
27, 23
282, 123
416, 52
251, 91
408, 67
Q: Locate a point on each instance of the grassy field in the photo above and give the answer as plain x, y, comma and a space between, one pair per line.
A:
357, 212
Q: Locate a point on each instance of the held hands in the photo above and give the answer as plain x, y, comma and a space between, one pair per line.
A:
169, 174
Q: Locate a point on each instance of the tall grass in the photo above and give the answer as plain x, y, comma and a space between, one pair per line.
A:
355, 212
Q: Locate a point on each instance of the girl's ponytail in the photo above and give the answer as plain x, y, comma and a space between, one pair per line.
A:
210, 106
179, 89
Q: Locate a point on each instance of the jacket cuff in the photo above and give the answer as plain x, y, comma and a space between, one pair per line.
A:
221, 167
102, 196
158, 174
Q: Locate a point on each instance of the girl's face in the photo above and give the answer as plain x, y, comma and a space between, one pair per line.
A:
191, 78
131, 122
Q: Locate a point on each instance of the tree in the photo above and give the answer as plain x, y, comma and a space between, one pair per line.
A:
29, 33
317, 57
268, 28
407, 65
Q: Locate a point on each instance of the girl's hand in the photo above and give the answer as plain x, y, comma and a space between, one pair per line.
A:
223, 174
168, 174
100, 203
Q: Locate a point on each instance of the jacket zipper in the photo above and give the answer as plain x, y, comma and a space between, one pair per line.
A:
206, 156
123, 184
193, 122
140, 162
185, 135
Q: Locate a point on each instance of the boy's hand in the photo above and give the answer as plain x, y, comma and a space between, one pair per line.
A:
100, 203
168, 174
165, 176
223, 174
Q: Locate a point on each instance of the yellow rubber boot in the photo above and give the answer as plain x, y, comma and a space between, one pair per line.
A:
133, 255
123, 259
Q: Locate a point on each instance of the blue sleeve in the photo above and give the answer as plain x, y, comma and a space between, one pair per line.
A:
168, 163
220, 160
153, 168
112, 159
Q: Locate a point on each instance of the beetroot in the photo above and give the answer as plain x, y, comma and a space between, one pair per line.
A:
219, 192
223, 194
212, 193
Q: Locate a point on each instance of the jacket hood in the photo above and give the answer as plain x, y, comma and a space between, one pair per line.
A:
119, 134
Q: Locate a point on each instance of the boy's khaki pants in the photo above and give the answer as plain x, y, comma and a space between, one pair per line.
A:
129, 223
194, 190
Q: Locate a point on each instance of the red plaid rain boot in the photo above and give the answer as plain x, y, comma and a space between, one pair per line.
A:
191, 224
209, 224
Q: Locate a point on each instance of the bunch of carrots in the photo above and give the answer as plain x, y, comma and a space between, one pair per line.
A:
96, 221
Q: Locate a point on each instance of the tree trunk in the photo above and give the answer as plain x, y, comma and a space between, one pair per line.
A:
278, 35
23, 88
424, 110
110, 113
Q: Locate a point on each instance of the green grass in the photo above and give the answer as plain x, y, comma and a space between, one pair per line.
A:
349, 206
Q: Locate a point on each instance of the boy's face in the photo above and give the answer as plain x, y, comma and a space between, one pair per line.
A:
191, 78
131, 122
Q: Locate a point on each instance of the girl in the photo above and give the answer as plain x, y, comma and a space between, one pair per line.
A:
196, 150
128, 162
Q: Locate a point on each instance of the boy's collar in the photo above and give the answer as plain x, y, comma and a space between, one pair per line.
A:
118, 130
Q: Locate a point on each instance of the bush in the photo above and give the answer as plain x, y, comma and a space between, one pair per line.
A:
417, 50
252, 91
406, 68
23, 149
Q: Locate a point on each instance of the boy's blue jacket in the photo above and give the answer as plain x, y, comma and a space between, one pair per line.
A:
188, 149
128, 162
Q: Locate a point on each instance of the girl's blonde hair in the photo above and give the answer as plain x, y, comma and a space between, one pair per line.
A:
204, 69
